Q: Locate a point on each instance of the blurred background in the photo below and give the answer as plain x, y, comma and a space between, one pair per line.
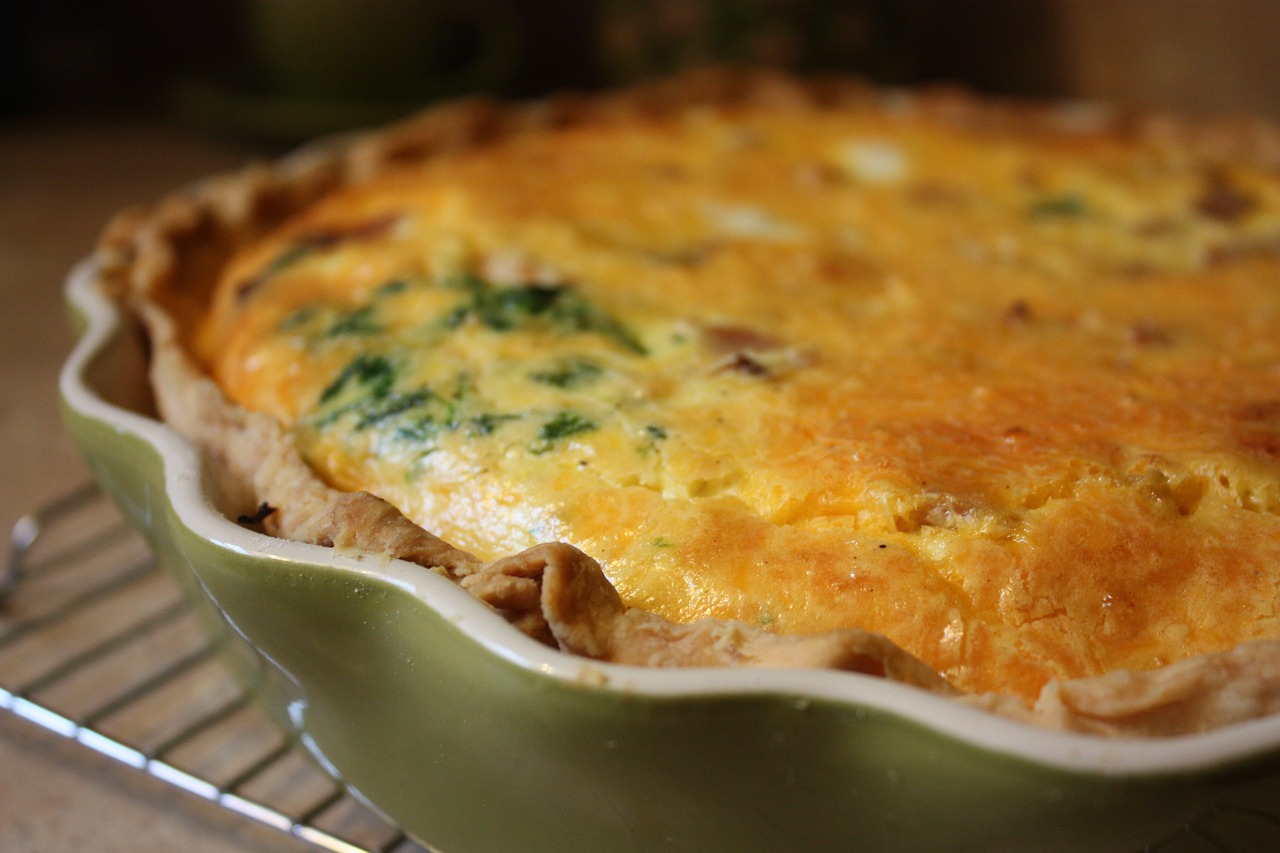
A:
282, 70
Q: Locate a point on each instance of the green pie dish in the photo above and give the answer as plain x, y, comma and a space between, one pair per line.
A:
475, 738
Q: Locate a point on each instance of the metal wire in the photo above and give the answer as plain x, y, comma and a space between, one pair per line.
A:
76, 563
75, 569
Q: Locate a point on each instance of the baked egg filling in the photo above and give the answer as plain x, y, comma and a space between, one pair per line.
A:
1013, 402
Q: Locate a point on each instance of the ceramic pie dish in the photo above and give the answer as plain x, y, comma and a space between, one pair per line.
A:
476, 738
472, 735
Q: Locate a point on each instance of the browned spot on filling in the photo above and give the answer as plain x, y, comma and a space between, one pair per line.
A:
743, 363
1147, 333
1016, 435
1018, 313
1257, 427
724, 340
1223, 201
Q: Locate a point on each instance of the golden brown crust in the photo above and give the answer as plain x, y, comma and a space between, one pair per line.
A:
162, 263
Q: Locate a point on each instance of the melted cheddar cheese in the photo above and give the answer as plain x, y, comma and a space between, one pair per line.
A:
1011, 400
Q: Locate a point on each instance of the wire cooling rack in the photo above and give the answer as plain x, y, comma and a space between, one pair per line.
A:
97, 645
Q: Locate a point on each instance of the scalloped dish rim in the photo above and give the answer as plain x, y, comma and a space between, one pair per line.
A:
1063, 751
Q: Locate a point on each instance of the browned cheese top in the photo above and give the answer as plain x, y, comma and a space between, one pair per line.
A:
1010, 398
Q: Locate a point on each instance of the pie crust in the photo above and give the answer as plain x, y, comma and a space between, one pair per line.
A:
164, 262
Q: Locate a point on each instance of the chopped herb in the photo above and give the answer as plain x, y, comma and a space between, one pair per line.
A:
462, 386
1068, 206
653, 434
661, 543
486, 423
575, 314
392, 287
355, 323
285, 259
500, 308
297, 319
562, 426
507, 308
364, 393
419, 431
393, 405
572, 373
469, 282
455, 318
375, 372
427, 428
416, 468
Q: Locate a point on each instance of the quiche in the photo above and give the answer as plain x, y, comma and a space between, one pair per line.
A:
742, 370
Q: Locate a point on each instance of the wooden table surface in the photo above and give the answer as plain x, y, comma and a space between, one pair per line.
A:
59, 183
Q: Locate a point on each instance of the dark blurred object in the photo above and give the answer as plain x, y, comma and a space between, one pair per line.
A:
286, 69
290, 68
1011, 47
1208, 56
9, 64
369, 50
312, 67
881, 39
85, 56
1197, 55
